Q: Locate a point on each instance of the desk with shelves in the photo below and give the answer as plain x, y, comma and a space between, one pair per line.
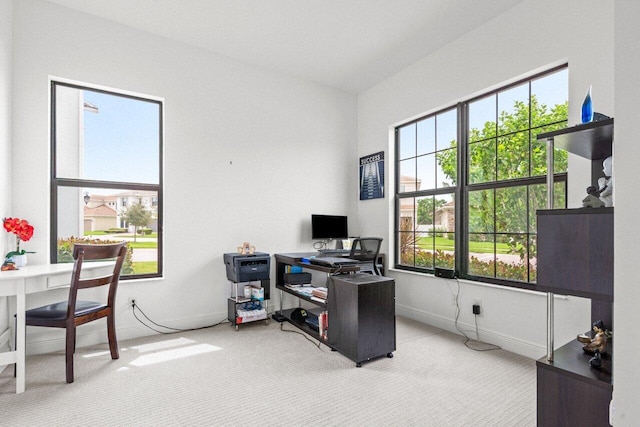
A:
360, 309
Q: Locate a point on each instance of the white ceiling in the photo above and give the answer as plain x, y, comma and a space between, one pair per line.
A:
346, 44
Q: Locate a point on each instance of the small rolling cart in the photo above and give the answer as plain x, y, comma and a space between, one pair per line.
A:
241, 270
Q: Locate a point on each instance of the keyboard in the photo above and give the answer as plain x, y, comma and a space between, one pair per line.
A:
328, 261
330, 252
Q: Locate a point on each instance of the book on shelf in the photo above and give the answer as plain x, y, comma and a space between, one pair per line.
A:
323, 324
296, 287
305, 290
320, 292
322, 300
292, 269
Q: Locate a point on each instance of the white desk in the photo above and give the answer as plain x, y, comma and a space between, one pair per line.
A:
28, 280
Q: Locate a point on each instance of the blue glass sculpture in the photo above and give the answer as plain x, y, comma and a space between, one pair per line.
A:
587, 108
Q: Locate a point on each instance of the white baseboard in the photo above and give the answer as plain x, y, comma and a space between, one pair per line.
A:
512, 344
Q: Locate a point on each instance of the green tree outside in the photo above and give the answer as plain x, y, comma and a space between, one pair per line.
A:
137, 216
426, 208
505, 150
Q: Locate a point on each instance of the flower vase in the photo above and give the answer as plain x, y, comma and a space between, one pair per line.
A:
587, 107
19, 260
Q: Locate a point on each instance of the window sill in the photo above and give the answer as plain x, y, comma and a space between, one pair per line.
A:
473, 282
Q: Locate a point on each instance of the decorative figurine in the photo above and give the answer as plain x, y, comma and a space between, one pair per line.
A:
606, 184
8, 265
599, 341
593, 198
246, 249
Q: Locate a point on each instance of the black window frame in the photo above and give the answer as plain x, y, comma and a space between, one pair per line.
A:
57, 183
463, 187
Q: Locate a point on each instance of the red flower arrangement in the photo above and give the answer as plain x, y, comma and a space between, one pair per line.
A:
23, 231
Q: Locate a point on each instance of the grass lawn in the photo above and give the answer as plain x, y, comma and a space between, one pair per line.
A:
444, 244
143, 245
145, 267
128, 235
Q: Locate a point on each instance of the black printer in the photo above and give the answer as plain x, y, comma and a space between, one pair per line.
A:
247, 267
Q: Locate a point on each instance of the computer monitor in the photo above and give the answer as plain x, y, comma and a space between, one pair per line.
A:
327, 227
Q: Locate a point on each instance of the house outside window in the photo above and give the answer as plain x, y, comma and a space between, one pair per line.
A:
106, 170
483, 225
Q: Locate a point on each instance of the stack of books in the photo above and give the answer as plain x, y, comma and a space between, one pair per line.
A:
319, 294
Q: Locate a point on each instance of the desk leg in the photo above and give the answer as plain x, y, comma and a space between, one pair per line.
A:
20, 338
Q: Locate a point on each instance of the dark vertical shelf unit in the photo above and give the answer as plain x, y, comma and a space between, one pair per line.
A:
575, 257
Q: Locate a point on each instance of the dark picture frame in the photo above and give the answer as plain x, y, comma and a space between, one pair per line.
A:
371, 180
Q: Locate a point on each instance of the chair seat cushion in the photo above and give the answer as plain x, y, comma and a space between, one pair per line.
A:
59, 310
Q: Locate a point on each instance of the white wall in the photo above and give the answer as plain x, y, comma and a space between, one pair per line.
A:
627, 205
532, 36
249, 155
5, 141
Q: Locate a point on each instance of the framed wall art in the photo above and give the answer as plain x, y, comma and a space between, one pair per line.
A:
372, 176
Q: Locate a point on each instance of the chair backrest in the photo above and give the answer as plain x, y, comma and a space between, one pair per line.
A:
87, 252
366, 249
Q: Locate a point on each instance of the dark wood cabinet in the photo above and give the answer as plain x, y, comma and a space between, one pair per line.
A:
575, 257
361, 310
574, 247
571, 393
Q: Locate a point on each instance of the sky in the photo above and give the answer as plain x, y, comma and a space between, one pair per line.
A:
121, 139
549, 90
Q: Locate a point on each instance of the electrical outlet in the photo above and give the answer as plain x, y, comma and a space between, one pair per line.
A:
476, 309
477, 302
132, 301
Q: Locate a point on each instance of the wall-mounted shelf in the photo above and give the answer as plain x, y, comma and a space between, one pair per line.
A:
592, 141
589, 140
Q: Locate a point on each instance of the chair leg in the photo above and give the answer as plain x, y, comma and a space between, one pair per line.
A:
69, 350
111, 332
15, 344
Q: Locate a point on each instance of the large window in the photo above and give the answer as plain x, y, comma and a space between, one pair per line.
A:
426, 191
106, 168
482, 225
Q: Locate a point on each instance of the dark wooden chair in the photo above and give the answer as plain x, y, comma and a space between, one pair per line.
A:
72, 313
366, 250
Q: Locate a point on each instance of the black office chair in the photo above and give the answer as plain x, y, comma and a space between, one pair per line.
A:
366, 250
72, 313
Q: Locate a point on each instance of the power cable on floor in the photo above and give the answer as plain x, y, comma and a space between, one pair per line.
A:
467, 340
305, 336
135, 307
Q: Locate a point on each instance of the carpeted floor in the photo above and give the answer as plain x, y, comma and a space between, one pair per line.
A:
260, 375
